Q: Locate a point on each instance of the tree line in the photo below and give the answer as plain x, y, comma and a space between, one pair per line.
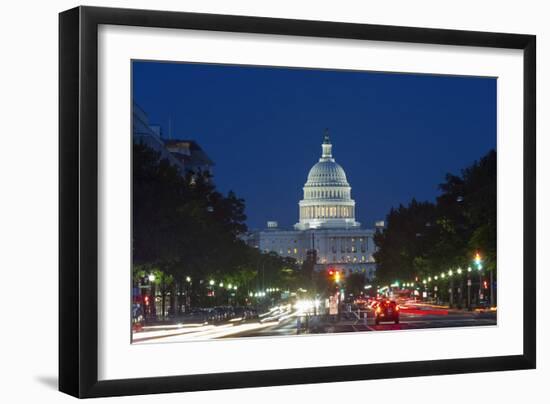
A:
422, 239
187, 234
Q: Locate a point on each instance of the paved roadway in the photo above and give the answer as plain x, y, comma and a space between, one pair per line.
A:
286, 324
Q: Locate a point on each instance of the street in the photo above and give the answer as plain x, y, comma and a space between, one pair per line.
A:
284, 321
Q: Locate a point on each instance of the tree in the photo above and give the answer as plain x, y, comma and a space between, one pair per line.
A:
403, 245
355, 283
185, 227
182, 224
424, 238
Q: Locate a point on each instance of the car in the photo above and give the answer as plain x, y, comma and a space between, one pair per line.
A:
386, 310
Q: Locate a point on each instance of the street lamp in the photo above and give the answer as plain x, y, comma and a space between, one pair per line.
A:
152, 306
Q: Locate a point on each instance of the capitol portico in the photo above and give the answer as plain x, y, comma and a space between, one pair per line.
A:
326, 223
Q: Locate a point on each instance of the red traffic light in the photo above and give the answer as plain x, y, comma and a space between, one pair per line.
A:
331, 272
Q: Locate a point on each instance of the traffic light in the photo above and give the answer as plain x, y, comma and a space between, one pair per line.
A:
146, 298
477, 260
334, 275
485, 285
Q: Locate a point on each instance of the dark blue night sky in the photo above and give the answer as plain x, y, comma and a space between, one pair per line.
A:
395, 135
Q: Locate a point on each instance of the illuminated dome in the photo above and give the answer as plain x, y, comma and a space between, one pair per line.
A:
326, 173
327, 195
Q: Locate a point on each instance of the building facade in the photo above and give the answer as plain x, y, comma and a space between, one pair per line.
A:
326, 224
186, 155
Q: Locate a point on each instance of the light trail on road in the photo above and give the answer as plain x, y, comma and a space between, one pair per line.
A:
202, 332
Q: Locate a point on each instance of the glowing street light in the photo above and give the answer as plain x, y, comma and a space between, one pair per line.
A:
211, 282
151, 277
188, 278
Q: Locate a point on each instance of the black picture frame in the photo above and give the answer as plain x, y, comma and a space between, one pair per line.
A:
78, 201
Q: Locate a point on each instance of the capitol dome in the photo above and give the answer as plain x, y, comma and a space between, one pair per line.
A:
327, 195
327, 173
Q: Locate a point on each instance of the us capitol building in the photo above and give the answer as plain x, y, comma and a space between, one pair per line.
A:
327, 224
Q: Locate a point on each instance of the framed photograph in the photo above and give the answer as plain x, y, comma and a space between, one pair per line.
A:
251, 201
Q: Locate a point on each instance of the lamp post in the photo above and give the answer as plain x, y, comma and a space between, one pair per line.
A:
469, 284
492, 288
188, 292
152, 304
479, 265
451, 288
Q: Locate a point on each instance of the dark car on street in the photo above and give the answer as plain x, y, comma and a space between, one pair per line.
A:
386, 310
